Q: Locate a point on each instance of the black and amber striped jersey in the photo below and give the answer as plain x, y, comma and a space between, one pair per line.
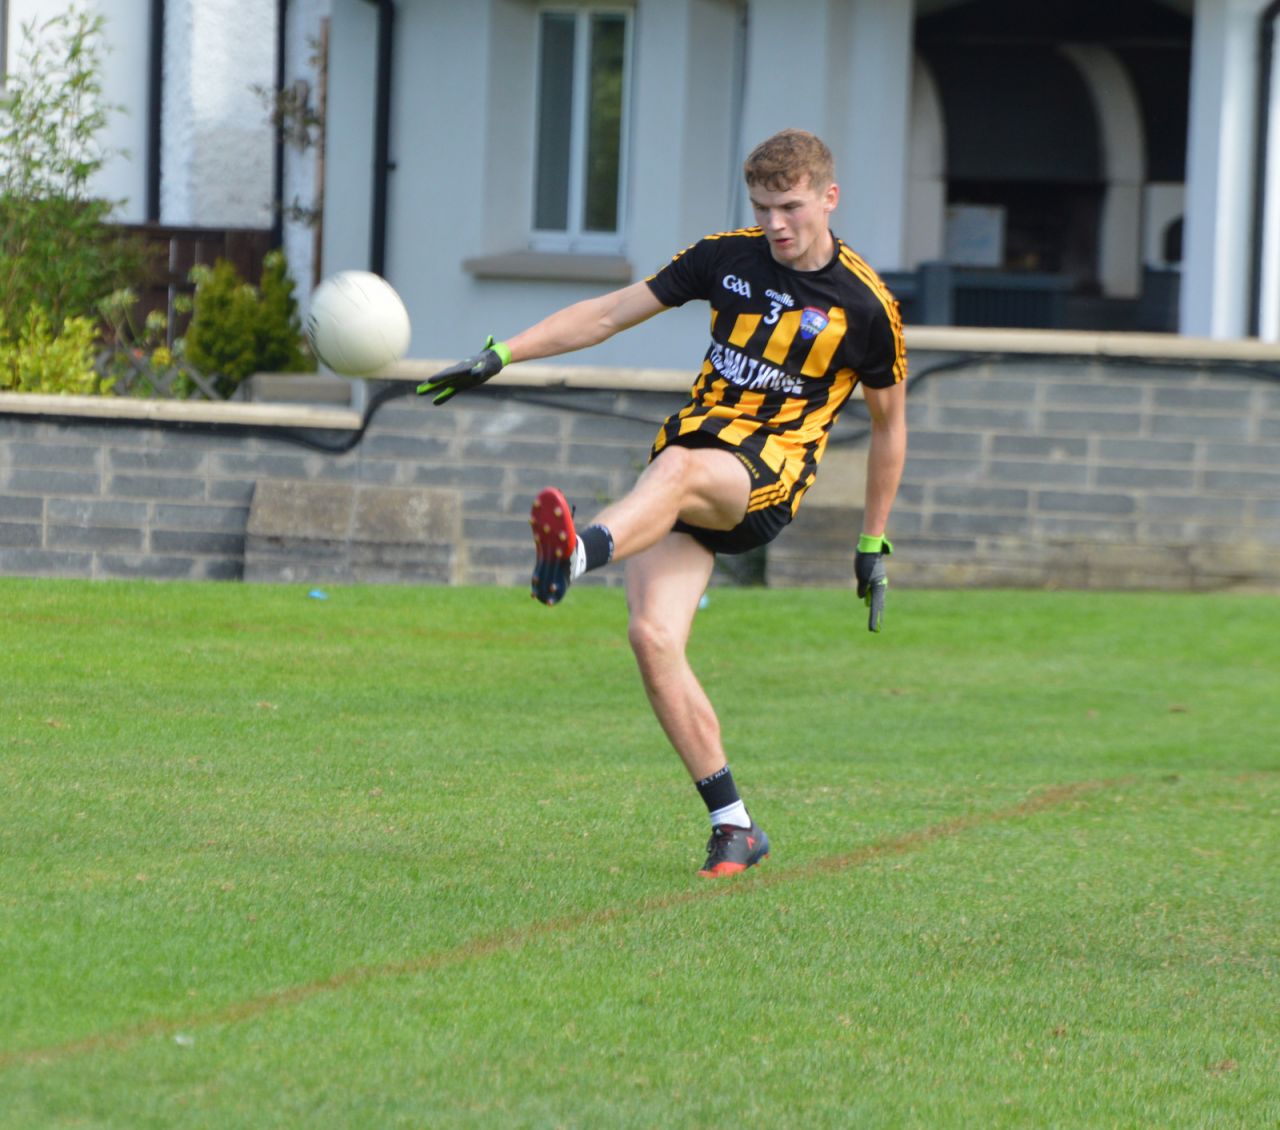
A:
787, 348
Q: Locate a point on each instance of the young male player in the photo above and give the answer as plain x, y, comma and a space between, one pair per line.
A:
797, 320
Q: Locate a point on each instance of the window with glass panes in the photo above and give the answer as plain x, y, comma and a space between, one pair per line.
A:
581, 124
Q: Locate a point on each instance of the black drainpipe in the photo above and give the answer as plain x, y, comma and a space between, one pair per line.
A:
277, 185
382, 164
1262, 126
155, 109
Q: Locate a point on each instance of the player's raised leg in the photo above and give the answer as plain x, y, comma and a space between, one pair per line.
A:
664, 586
706, 487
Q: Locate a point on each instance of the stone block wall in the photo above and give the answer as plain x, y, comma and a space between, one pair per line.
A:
1072, 472
352, 533
86, 497
1095, 474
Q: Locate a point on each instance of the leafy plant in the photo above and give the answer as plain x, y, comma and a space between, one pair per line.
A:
56, 250
139, 360
238, 329
36, 359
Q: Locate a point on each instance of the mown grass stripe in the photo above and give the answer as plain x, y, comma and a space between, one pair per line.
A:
516, 938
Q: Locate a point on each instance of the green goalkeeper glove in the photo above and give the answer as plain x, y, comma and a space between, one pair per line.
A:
469, 373
873, 581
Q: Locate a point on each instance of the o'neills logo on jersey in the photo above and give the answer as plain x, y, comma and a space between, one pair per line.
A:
812, 322
737, 285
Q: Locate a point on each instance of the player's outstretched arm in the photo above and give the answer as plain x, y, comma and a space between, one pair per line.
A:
586, 323
885, 460
578, 326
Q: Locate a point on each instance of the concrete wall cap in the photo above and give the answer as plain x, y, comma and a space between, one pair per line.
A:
179, 411
1087, 343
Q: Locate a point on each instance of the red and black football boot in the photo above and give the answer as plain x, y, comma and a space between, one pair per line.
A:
732, 849
554, 539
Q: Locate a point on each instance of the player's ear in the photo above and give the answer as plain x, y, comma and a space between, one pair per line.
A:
831, 197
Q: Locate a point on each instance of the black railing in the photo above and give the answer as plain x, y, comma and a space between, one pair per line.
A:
938, 294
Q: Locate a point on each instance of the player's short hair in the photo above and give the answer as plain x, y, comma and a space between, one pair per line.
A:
780, 162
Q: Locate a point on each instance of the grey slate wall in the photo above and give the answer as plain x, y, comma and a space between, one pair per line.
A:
1073, 473
1077, 473
1095, 475
88, 498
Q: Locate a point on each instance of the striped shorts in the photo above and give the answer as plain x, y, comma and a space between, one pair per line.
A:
768, 506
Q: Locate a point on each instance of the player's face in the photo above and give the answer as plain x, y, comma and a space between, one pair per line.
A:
796, 223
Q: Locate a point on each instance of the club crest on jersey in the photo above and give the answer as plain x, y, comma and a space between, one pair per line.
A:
812, 322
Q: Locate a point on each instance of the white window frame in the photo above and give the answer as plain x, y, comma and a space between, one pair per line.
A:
574, 238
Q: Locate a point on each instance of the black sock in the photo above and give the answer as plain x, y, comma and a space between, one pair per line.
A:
597, 546
718, 791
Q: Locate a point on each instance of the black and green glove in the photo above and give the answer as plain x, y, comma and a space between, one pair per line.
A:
873, 581
469, 373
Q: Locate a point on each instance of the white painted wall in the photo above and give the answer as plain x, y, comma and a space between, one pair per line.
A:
349, 136
874, 143
301, 166
463, 104
843, 69
218, 145
1269, 299
1215, 279
124, 79
780, 92
461, 141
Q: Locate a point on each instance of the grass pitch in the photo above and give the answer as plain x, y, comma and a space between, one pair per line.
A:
421, 857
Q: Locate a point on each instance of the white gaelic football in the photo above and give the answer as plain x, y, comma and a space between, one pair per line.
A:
357, 323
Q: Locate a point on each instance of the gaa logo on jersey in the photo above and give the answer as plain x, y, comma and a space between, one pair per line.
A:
812, 322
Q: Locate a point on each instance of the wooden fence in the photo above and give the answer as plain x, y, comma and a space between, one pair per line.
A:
172, 251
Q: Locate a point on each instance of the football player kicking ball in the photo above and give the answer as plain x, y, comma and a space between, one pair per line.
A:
797, 320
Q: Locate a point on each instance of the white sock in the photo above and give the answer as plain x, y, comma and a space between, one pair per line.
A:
578, 561
735, 814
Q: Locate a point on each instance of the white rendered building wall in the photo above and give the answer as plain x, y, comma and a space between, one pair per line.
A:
458, 193
218, 144
301, 187
1269, 298
1217, 259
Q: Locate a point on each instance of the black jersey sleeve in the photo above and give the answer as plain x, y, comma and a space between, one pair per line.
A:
689, 275
884, 355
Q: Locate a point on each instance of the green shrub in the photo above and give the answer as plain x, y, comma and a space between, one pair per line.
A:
281, 326
238, 329
36, 359
61, 255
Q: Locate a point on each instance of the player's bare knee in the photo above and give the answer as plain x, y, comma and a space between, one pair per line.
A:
650, 639
673, 466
